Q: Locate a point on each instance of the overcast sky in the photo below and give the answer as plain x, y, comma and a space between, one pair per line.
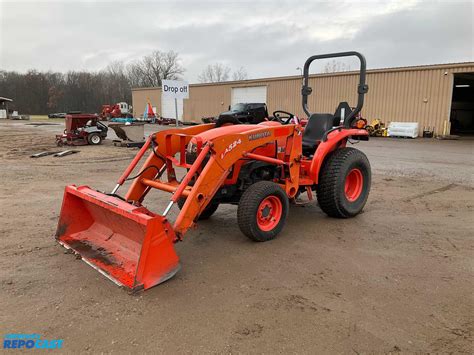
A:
268, 38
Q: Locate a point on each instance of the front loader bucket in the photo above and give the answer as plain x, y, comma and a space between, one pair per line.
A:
130, 245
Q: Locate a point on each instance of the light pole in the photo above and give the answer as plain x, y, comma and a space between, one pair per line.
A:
301, 71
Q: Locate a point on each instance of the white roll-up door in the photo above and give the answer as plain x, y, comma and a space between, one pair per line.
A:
250, 94
168, 109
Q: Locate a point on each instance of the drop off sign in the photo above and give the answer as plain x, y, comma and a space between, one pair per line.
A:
175, 89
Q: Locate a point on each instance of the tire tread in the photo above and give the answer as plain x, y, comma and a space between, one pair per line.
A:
249, 202
329, 198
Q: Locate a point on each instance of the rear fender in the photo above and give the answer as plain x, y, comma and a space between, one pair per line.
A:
335, 139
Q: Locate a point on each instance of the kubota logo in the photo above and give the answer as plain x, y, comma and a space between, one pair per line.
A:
231, 147
255, 136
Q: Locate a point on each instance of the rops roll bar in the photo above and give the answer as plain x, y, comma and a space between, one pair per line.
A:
362, 88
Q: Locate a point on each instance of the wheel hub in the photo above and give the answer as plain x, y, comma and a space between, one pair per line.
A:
266, 211
269, 213
353, 185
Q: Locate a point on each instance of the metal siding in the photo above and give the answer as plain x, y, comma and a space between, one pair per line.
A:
206, 101
394, 95
141, 97
250, 94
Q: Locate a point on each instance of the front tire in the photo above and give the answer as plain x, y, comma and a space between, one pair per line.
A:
208, 211
262, 211
94, 139
344, 183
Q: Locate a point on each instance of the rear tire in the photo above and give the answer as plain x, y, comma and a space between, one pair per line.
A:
208, 211
94, 139
344, 183
262, 211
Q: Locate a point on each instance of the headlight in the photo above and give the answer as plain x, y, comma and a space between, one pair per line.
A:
192, 148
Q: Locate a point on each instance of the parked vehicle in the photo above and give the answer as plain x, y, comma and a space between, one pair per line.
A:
119, 110
252, 113
57, 115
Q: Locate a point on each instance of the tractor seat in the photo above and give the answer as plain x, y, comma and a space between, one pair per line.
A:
318, 124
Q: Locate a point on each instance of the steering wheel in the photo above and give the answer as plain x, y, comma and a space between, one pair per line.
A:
282, 116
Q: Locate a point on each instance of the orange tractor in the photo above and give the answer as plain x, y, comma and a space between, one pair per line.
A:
262, 168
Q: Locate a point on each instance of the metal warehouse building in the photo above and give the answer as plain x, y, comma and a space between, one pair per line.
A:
432, 95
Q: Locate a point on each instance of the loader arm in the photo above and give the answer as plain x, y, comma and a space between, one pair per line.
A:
138, 189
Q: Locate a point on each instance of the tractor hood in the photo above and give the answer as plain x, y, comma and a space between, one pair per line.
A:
191, 151
223, 131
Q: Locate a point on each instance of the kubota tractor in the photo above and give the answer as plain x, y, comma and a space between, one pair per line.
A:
261, 168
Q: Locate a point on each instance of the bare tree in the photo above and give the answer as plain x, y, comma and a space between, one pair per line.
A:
115, 83
335, 66
134, 75
37, 92
214, 73
240, 74
115, 68
153, 68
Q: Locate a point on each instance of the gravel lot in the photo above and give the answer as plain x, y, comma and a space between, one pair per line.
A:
396, 278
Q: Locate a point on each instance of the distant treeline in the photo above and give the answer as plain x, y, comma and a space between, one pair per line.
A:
36, 92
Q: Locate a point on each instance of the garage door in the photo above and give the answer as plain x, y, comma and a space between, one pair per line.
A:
255, 94
168, 109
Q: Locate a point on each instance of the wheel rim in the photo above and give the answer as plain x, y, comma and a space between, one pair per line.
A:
95, 139
353, 185
269, 213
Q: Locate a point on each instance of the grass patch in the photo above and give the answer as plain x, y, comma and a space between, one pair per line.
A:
44, 118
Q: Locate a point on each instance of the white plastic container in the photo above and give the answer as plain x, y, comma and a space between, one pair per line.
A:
403, 129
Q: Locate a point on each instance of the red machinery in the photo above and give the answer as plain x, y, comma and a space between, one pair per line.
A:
119, 110
82, 129
261, 168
